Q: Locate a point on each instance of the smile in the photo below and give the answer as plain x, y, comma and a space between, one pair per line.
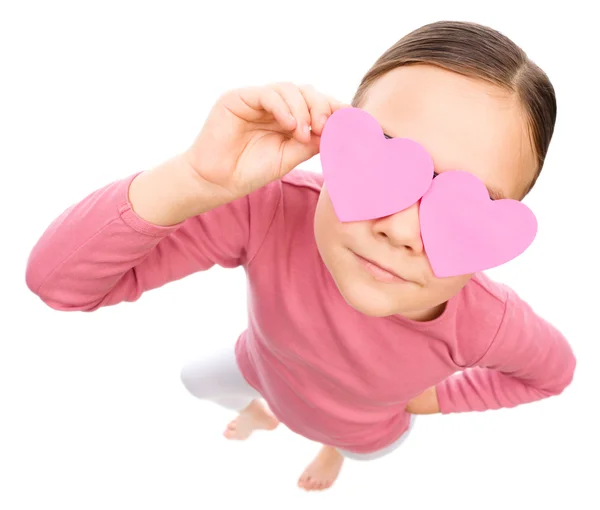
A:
378, 272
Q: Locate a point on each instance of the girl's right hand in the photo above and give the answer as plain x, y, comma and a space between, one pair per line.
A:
256, 135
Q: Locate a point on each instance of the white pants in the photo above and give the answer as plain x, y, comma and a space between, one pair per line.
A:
217, 378
384, 451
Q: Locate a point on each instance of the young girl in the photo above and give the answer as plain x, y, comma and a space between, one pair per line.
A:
349, 333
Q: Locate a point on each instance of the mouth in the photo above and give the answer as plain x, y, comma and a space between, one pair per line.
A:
380, 273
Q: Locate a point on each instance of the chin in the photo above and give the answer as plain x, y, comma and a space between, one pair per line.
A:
367, 301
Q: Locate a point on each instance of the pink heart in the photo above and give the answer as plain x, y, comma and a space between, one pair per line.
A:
368, 176
464, 231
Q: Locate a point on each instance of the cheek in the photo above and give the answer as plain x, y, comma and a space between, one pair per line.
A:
330, 233
324, 223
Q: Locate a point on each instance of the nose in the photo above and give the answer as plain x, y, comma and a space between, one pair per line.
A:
401, 229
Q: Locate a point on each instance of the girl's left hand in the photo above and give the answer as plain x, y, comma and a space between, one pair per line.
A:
425, 403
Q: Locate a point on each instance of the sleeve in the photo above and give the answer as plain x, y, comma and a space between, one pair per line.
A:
528, 360
100, 253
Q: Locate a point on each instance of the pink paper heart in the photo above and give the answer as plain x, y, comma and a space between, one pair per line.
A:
368, 176
464, 231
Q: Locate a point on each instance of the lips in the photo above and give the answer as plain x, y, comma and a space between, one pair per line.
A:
374, 267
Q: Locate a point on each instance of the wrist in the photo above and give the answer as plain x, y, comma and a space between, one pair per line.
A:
172, 192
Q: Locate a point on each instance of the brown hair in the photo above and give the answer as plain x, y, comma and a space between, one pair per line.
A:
480, 52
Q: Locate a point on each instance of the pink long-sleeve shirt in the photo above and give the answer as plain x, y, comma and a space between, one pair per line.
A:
328, 372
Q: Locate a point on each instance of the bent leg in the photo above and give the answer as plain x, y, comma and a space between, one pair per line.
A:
217, 377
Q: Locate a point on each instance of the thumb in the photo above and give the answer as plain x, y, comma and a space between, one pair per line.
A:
296, 153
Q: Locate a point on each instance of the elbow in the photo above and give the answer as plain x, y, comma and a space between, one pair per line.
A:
564, 379
36, 279
61, 298
63, 305
569, 374
33, 277
54, 298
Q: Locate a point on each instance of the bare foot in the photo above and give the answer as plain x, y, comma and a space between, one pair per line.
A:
255, 417
323, 471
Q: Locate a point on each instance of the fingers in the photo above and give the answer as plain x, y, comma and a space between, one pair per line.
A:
320, 107
254, 101
309, 107
299, 107
299, 110
336, 105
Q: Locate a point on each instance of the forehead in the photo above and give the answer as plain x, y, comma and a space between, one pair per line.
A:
464, 123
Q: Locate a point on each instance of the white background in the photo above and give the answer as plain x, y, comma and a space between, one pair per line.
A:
93, 414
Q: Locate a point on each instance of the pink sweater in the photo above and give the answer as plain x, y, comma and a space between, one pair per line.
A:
328, 372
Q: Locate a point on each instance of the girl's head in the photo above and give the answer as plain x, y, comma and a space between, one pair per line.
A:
474, 100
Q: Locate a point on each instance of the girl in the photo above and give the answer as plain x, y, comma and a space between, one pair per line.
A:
349, 333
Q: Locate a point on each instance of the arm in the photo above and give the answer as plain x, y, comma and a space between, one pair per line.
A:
528, 360
426, 403
138, 234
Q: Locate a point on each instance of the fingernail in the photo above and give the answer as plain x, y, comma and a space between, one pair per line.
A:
323, 119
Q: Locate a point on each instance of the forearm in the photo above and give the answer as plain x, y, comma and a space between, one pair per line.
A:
481, 389
102, 250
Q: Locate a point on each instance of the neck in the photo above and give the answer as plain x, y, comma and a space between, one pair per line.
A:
425, 315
